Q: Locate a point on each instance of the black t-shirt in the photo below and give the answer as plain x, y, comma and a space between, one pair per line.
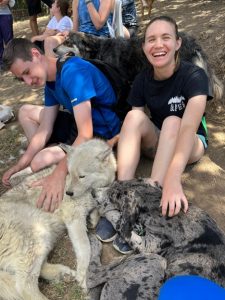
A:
169, 97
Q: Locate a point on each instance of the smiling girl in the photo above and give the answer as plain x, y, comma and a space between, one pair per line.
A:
175, 93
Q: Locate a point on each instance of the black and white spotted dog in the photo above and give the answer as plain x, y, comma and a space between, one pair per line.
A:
188, 243
126, 55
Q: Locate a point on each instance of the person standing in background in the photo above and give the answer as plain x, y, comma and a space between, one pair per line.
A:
34, 8
91, 16
6, 25
129, 16
59, 22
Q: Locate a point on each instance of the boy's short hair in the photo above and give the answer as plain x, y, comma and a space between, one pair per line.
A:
17, 48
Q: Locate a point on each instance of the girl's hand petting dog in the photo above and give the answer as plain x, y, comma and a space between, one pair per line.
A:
173, 198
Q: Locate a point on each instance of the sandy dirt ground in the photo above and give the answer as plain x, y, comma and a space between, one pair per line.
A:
203, 182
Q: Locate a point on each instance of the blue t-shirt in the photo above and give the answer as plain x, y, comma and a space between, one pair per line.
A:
85, 23
80, 81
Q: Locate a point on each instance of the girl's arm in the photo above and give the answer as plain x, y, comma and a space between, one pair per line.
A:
99, 17
46, 33
187, 147
75, 15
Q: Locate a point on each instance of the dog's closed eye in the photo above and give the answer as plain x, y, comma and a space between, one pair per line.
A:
82, 176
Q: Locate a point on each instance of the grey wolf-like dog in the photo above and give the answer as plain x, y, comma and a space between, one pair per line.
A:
188, 243
28, 234
127, 57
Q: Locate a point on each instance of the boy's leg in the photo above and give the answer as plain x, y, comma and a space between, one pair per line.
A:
64, 131
47, 157
29, 118
137, 131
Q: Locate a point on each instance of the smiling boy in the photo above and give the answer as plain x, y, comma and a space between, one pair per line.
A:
82, 90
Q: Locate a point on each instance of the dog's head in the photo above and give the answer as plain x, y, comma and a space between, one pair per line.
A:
80, 44
91, 165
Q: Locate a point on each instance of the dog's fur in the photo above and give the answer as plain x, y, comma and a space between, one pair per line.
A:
185, 244
188, 243
28, 234
126, 55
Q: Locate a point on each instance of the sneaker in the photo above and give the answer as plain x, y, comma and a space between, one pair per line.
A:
105, 232
121, 246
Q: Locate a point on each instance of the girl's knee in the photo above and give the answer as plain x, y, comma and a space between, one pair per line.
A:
135, 118
172, 122
197, 151
171, 126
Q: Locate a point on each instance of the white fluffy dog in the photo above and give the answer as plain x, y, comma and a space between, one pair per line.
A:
28, 234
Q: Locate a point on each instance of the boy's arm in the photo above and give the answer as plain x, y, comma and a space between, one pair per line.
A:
53, 185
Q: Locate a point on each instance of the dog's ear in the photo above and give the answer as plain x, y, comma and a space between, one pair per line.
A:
66, 148
104, 154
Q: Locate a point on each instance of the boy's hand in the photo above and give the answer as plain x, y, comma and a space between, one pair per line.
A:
7, 175
52, 192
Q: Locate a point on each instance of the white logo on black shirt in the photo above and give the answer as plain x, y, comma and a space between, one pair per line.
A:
176, 103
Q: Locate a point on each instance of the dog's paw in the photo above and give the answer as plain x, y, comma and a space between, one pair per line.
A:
93, 219
81, 280
69, 276
65, 274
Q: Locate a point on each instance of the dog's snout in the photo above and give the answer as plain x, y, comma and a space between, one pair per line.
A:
69, 193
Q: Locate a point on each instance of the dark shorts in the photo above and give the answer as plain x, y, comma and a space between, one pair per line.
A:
64, 130
34, 6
